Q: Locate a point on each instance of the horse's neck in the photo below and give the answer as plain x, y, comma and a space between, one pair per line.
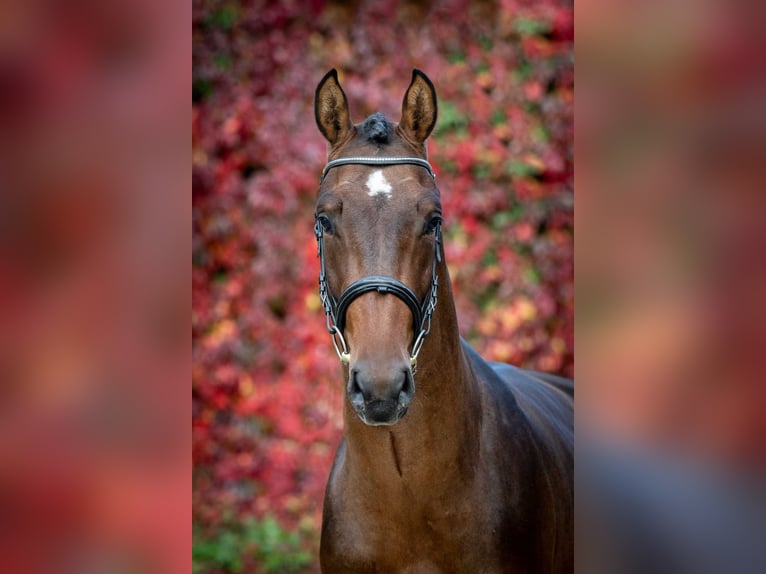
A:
440, 432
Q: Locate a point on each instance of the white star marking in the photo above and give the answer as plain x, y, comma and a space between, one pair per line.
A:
378, 184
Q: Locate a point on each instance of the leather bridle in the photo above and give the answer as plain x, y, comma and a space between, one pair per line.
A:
335, 309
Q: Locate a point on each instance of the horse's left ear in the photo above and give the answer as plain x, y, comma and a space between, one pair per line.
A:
418, 108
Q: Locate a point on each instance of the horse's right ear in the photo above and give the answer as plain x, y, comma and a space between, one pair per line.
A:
331, 109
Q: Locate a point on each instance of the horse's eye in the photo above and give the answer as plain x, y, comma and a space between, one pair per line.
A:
432, 224
324, 222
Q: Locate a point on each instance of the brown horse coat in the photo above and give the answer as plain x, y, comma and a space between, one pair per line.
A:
478, 475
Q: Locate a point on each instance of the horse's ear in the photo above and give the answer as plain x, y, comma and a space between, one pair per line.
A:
418, 108
331, 109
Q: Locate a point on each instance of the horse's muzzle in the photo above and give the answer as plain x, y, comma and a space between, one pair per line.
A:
380, 400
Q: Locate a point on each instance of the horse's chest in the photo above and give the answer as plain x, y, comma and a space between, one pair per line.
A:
450, 536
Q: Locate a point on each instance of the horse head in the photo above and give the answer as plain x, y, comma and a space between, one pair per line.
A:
378, 224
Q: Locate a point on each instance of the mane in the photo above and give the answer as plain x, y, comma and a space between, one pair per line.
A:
376, 128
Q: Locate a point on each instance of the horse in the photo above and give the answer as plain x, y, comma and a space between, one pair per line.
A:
448, 463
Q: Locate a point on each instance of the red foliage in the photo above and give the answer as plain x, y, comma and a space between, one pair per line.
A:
265, 382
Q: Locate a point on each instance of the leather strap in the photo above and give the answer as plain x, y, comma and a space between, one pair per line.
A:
382, 284
377, 161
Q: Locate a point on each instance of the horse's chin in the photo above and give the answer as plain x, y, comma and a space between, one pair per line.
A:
381, 413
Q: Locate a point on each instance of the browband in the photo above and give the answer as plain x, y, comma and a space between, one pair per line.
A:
377, 161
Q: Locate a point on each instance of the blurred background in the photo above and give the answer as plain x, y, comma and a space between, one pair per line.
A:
94, 286
266, 382
671, 321
671, 128
94, 210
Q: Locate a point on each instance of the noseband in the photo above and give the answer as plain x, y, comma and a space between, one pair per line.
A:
335, 309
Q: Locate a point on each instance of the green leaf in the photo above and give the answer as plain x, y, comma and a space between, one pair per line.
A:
520, 169
225, 18
498, 117
451, 119
528, 27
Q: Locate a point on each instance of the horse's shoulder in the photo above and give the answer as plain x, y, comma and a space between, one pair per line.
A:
529, 426
546, 401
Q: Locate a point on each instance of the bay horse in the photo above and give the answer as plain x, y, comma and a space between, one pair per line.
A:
448, 463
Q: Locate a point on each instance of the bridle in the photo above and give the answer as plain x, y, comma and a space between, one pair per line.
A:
362, 160
335, 309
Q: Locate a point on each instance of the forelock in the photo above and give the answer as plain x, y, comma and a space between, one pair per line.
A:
377, 129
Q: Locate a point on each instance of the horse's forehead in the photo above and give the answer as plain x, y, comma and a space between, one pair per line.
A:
382, 182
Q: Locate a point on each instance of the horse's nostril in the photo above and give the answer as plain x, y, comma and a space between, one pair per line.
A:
354, 387
407, 390
355, 392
